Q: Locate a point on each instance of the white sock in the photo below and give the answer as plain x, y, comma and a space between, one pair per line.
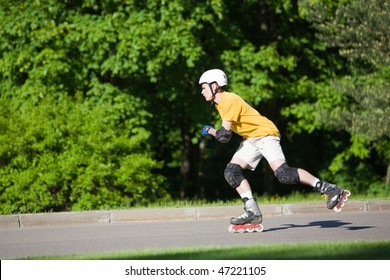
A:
247, 194
315, 182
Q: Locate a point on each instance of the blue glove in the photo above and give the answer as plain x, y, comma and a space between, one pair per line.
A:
204, 130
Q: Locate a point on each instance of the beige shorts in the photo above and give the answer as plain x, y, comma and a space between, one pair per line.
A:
252, 150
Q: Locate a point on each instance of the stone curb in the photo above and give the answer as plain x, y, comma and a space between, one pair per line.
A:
158, 214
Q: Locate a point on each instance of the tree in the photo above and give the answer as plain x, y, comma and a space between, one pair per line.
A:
71, 136
359, 30
101, 106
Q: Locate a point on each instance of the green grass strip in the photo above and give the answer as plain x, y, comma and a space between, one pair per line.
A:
342, 250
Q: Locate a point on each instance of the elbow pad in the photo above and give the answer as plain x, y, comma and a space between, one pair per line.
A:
222, 135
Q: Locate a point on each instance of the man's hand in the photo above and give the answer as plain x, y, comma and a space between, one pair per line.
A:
205, 130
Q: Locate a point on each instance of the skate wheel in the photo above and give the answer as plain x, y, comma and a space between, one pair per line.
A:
250, 230
231, 229
337, 209
260, 228
241, 230
346, 194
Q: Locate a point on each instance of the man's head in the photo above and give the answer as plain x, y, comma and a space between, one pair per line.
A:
212, 81
214, 76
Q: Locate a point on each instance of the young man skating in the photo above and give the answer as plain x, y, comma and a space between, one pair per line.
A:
261, 138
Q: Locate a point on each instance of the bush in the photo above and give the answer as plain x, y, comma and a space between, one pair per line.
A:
59, 154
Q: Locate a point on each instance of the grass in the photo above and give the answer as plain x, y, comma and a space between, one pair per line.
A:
345, 250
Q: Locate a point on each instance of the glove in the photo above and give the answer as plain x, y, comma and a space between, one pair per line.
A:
204, 130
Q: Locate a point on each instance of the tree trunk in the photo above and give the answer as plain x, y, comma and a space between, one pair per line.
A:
200, 186
185, 165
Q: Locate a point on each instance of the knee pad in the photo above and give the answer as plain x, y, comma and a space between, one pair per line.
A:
287, 174
233, 175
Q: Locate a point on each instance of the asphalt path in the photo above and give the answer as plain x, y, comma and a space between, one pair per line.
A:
98, 238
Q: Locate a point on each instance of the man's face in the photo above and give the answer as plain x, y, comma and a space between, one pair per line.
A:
206, 92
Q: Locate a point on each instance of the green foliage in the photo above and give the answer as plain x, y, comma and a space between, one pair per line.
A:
368, 113
100, 105
66, 155
253, 71
379, 189
360, 30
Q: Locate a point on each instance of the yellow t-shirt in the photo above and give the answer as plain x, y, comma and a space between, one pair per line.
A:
246, 121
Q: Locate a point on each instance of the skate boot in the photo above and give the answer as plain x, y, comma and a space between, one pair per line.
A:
249, 221
335, 196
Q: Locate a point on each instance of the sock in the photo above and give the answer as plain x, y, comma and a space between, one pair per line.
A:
315, 182
247, 194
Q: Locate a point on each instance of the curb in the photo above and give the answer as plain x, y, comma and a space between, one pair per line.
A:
158, 214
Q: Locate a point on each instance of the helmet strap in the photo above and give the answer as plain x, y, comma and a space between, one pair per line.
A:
213, 93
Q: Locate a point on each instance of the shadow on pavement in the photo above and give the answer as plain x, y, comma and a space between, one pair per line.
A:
321, 224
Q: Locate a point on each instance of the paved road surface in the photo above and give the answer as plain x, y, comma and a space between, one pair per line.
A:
81, 239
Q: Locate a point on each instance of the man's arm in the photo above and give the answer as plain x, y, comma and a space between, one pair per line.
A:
223, 134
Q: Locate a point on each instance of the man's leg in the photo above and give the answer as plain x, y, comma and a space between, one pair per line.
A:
235, 178
289, 175
304, 176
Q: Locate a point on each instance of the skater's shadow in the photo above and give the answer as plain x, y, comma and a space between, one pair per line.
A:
321, 224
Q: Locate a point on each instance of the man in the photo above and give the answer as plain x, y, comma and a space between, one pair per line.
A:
261, 138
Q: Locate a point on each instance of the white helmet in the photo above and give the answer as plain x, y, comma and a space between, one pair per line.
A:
214, 75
